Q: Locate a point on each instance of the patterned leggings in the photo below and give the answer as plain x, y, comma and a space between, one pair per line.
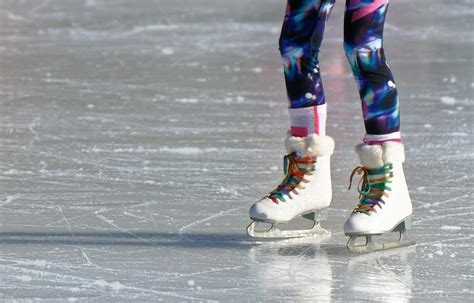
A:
300, 42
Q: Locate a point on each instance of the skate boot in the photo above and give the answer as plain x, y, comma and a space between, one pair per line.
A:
385, 204
305, 190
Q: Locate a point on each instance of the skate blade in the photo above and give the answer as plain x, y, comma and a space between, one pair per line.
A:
371, 246
274, 232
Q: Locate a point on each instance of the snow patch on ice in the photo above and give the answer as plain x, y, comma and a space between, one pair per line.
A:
426, 205
187, 100
448, 100
113, 285
24, 278
14, 17
187, 150
38, 263
141, 149
190, 283
90, 3
458, 134
167, 51
231, 191
17, 172
448, 227
151, 182
9, 199
450, 79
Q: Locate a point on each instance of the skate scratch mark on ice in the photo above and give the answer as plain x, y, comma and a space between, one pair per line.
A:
151, 216
183, 229
133, 216
292, 265
442, 217
169, 218
427, 205
31, 127
174, 274
303, 254
87, 214
388, 272
42, 274
89, 162
86, 257
63, 184
9, 199
39, 6
206, 271
108, 221
42, 263
446, 240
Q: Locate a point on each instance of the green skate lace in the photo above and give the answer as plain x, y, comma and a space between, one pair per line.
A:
295, 168
372, 187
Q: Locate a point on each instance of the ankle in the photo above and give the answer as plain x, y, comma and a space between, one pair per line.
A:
381, 139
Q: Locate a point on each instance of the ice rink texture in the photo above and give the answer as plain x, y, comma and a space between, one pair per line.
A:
134, 136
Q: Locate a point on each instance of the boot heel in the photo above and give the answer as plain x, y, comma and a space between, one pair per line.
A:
408, 223
405, 225
317, 215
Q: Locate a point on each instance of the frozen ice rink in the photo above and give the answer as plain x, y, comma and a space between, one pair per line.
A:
134, 136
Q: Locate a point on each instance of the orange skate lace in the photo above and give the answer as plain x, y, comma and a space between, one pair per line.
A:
296, 168
372, 187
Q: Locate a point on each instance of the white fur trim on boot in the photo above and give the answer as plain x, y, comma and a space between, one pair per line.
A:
311, 145
393, 152
375, 156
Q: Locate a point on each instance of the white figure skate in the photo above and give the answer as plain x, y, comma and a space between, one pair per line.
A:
385, 204
305, 191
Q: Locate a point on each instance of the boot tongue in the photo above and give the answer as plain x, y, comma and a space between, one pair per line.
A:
303, 165
380, 172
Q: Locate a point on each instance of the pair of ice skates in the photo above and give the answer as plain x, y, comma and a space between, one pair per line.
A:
306, 191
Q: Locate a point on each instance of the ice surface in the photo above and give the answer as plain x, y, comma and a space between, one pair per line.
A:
134, 135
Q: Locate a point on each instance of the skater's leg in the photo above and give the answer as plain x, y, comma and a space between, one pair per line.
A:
363, 43
306, 188
384, 203
300, 42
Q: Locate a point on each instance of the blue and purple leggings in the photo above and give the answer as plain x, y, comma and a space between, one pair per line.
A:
300, 42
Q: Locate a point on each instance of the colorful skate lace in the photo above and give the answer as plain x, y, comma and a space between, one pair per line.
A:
372, 187
295, 168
